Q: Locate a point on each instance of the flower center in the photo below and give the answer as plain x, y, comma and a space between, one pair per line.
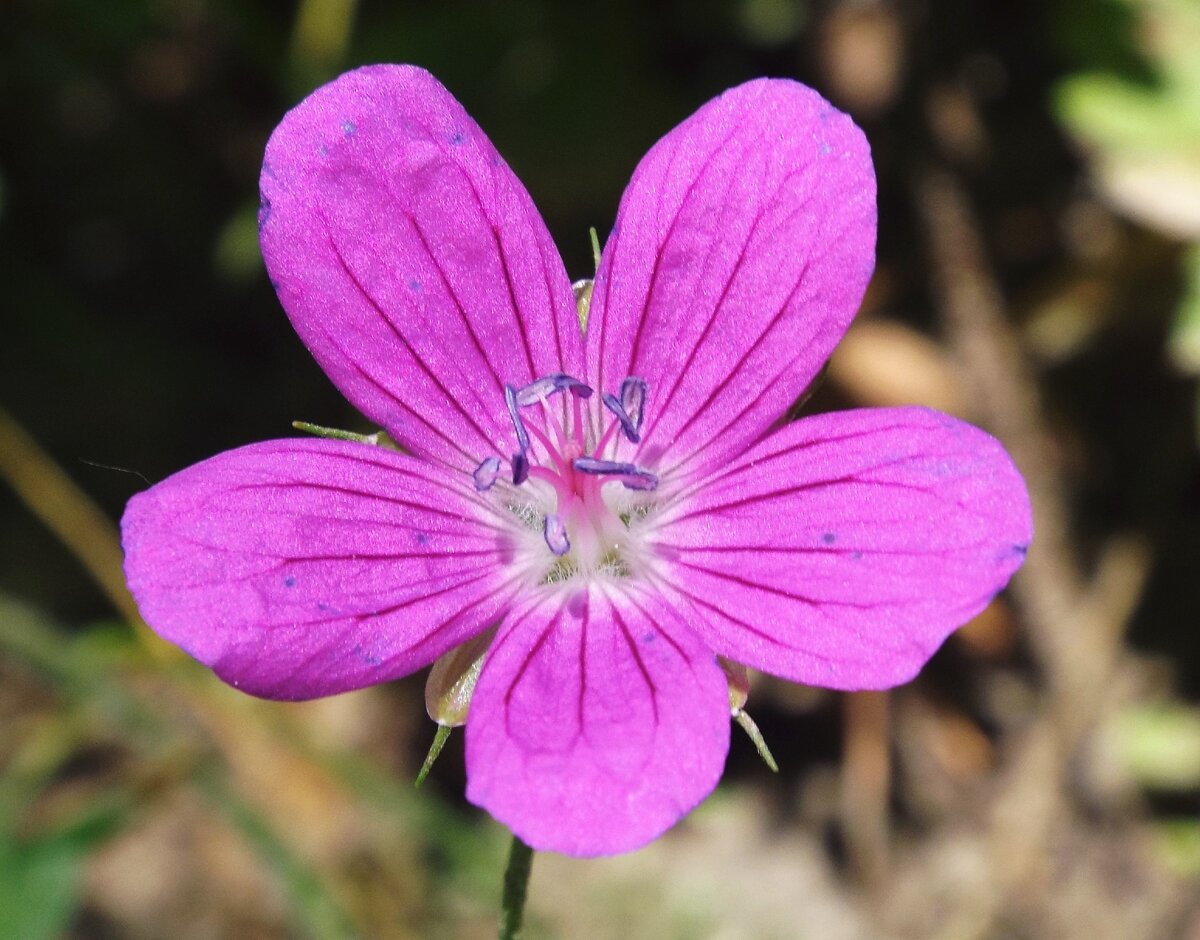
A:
567, 482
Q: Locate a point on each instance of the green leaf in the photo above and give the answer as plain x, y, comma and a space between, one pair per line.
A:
1113, 114
1178, 844
39, 886
1159, 745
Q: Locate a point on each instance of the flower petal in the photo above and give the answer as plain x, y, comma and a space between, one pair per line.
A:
740, 254
412, 262
843, 550
596, 725
304, 568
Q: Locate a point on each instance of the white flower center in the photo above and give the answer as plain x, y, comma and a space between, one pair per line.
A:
576, 513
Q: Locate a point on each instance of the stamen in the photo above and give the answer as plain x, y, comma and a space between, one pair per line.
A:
510, 399
552, 421
551, 451
577, 424
627, 425
555, 534
555, 443
541, 389
606, 437
520, 468
562, 489
633, 400
486, 474
633, 477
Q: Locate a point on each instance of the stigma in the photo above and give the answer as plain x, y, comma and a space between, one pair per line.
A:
561, 467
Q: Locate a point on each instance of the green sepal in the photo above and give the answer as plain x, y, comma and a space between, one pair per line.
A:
377, 439
582, 289
738, 678
583, 301
595, 247
452, 679
760, 744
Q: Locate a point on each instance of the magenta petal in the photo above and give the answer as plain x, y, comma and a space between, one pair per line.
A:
740, 254
412, 262
596, 724
843, 550
305, 568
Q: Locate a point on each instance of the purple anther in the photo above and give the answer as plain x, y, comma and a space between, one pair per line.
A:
640, 480
541, 389
486, 474
633, 477
602, 467
633, 400
510, 399
579, 389
627, 426
520, 468
555, 534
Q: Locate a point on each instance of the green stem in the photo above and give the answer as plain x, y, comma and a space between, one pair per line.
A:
516, 886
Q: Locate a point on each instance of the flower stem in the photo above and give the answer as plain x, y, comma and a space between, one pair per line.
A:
516, 886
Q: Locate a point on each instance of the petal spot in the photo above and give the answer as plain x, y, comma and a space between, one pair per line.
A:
1017, 551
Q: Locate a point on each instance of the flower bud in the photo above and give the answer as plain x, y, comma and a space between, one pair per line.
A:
452, 680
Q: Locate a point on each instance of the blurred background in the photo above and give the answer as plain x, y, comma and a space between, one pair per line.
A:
1039, 274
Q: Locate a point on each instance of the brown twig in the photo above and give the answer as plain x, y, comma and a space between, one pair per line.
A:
67, 511
866, 779
1074, 624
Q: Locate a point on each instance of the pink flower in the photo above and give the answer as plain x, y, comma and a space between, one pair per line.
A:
621, 504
